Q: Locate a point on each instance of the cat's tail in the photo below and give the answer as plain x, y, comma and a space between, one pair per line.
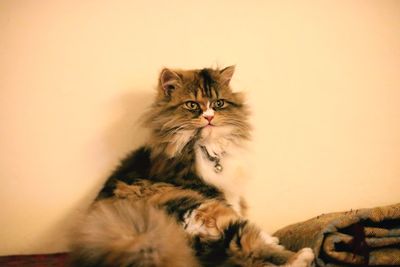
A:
125, 233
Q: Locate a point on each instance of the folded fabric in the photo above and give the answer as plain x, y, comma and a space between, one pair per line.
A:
365, 237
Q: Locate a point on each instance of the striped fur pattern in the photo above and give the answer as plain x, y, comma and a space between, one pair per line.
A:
160, 224
171, 188
200, 216
219, 235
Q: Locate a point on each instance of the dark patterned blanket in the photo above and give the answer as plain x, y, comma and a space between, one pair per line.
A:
365, 237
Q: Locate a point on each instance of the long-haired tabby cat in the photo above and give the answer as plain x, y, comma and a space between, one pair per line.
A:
177, 200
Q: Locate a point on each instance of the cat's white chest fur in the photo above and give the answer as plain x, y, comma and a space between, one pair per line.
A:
231, 180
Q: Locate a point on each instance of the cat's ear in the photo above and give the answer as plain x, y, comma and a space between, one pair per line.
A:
169, 80
226, 74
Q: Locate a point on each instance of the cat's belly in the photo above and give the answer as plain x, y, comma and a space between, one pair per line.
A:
231, 180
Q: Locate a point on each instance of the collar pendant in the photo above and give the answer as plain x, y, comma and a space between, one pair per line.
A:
217, 166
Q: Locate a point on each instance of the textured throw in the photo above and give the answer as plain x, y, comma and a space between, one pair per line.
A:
365, 237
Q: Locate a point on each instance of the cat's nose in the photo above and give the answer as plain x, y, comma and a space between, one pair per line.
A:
209, 118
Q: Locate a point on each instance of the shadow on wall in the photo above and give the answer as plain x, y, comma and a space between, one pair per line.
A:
123, 134
127, 132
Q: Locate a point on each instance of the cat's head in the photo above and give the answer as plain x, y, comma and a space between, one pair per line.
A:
197, 106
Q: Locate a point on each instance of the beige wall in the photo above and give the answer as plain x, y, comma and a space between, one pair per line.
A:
323, 79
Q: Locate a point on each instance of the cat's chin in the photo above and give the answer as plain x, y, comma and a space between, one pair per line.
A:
207, 131
215, 132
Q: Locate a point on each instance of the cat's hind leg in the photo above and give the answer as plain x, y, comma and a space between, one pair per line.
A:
248, 248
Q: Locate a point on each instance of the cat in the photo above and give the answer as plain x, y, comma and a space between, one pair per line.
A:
177, 201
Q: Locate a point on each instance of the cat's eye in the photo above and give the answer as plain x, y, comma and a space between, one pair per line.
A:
220, 103
191, 105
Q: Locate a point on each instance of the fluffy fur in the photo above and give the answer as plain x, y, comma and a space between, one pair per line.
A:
119, 232
143, 226
187, 177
